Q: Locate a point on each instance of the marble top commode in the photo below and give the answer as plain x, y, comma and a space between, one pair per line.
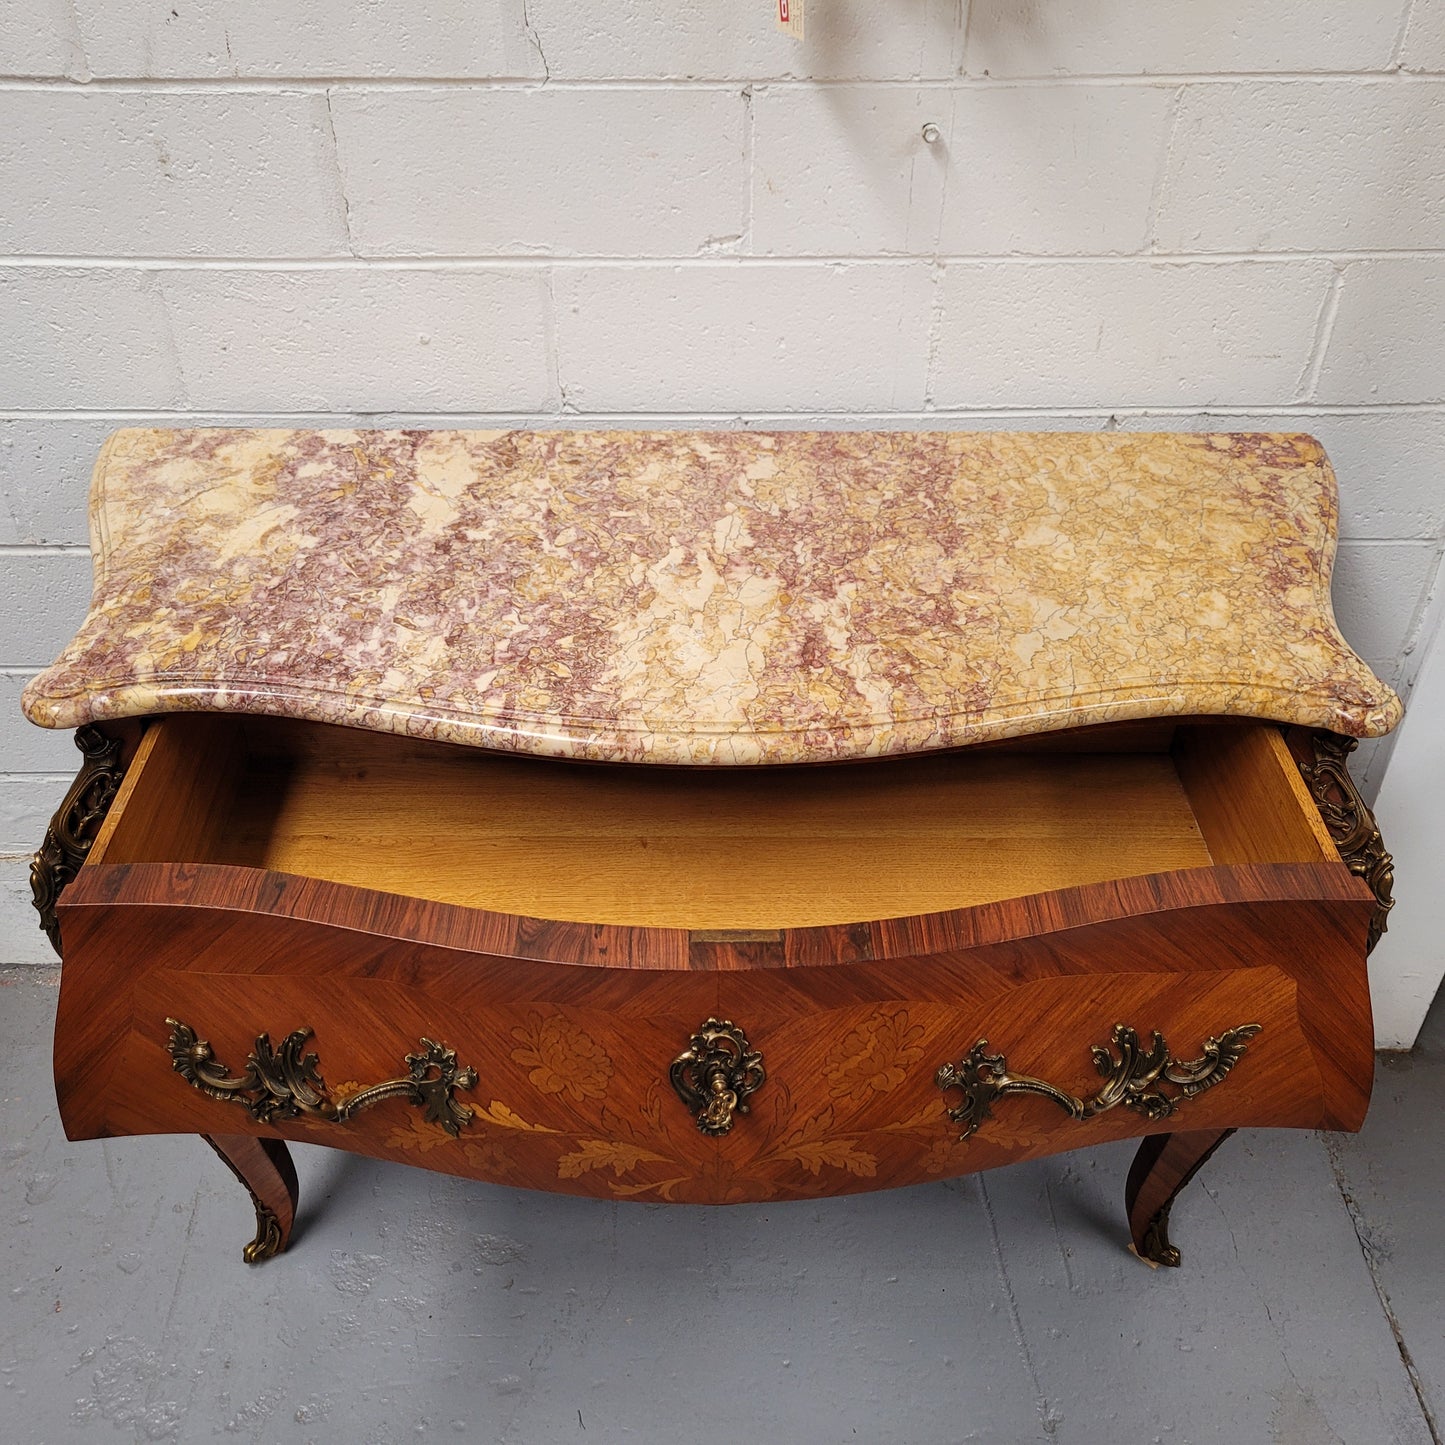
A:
712, 598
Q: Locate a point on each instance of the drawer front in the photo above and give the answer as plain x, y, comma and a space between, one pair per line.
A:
598, 1080
911, 1089
1049, 1044
542, 1076
542, 1095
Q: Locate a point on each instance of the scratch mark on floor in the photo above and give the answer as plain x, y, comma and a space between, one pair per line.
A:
1049, 1418
1367, 1249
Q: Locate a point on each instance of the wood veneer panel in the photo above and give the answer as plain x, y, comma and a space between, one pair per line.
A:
1249, 798
135, 769
173, 802
138, 896
163, 886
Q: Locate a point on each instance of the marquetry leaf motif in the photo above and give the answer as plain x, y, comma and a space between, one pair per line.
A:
664, 1189
814, 1145
873, 1058
838, 1154
925, 1120
414, 1135
650, 1109
940, 1157
611, 1154
932, 1122
504, 1117
644, 1127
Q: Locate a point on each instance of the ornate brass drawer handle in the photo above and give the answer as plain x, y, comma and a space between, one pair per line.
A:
1133, 1079
285, 1083
715, 1074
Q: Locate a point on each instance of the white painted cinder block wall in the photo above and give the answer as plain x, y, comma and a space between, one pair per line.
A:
1139, 213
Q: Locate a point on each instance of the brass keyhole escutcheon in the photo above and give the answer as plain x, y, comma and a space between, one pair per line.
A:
716, 1073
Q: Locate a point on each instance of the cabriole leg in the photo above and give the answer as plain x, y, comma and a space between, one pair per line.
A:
264, 1166
1164, 1164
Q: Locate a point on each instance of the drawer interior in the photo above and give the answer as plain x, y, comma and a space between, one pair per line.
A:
760, 848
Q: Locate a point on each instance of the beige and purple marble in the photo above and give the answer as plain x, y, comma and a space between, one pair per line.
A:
716, 598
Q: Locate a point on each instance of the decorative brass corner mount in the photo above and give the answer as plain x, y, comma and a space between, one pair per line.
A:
1156, 1248
1133, 1079
285, 1083
715, 1074
1349, 821
76, 822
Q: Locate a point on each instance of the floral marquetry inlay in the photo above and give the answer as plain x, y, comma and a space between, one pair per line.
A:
874, 1057
561, 1058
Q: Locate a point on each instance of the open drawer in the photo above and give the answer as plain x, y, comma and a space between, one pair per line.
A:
570, 931
710, 848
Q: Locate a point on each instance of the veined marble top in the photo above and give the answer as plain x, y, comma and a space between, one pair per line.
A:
712, 597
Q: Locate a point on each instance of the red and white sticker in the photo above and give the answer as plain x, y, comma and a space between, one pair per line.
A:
790, 17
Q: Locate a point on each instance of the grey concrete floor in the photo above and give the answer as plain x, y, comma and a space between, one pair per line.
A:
999, 1309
